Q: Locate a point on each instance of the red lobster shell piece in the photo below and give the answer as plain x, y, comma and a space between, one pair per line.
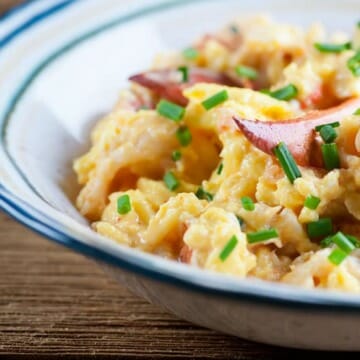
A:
168, 83
298, 134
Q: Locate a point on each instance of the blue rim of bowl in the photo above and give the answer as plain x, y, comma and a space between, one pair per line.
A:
32, 218
32, 21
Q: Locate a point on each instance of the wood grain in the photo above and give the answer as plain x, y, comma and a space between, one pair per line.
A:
54, 302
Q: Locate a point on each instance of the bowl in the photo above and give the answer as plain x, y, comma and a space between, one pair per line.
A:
62, 64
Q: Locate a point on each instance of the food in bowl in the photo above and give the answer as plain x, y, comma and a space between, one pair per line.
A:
239, 154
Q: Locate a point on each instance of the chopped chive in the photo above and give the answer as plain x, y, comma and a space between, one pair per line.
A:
143, 107
332, 48
185, 73
357, 112
328, 134
190, 53
171, 182
326, 242
184, 136
265, 91
220, 169
329, 240
261, 235
240, 221
247, 203
176, 155
287, 162
321, 227
204, 195
354, 240
123, 205
331, 156
286, 93
234, 29
170, 110
228, 249
215, 100
337, 256
354, 64
334, 125
312, 202
246, 72
343, 242
358, 24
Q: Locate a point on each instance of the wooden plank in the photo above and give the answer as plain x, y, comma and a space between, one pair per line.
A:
7, 4
53, 301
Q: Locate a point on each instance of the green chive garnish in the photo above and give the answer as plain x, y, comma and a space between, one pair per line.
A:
332, 48
286, 93
246, 72
321, 227
170, 110
330, 240
204, 195
143, 107
334, 125
171, 182
337, 256
331, 156
185, 73
215, 100
123, 204
265, 91
354, 64
176, 155
228, 249
326, 242
354, 240
287, 162
262, 235
190, 53
247, 203
328, 134
343, 242
312, 202
184, 136
220, 169
357, 112
234, 29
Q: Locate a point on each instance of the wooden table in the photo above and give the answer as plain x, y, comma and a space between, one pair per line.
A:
7, 4
55, 303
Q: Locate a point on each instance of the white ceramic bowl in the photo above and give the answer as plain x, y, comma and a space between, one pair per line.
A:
62, 64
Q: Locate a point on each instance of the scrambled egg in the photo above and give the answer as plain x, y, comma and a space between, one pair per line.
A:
132, 150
